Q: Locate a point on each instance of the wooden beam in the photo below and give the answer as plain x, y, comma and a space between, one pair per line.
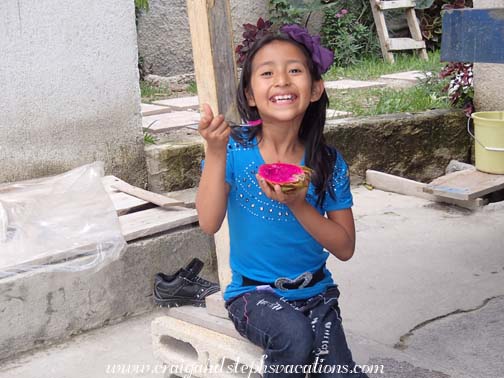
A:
400, 185
213, 55
384, 5
415, 31
381, 29
215, 68
396, 44
465, 185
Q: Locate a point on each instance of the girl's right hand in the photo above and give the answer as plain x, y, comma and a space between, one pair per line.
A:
214, 130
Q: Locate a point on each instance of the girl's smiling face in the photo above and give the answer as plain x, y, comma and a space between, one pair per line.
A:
281, 86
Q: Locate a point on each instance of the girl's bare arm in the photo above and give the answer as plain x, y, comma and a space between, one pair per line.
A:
211, 199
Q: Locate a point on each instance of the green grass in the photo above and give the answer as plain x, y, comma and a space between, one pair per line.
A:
150, 92
374, 67
192, 88
368, 102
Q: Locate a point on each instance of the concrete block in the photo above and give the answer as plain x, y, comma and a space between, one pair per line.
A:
404, 79
169, 121
38, 308
202, 351
150, 109
215, 305
331, 114
353, 84
180, 103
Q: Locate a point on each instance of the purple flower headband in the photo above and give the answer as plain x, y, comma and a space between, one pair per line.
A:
322, 57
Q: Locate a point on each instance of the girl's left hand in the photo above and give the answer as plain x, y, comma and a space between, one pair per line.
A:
291, 199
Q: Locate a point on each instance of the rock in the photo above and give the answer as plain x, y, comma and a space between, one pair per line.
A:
455, 166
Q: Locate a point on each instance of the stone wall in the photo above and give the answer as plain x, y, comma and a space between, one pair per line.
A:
164, 39
69, 89
488, 77
417, 146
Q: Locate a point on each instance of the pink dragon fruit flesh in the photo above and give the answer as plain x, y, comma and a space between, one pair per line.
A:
288, 176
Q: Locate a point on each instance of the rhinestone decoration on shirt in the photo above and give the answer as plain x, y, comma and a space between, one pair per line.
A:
250, 197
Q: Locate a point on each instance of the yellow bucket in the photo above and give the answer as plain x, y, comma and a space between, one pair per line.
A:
489, 137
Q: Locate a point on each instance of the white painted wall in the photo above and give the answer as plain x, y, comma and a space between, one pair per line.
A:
69, 89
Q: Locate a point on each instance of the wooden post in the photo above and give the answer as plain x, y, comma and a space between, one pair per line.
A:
215, 68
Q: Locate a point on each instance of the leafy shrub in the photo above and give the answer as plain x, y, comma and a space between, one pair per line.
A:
350, 39
460, 88
431, 19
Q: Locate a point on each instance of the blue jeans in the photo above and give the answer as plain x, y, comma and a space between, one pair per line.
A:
295, 334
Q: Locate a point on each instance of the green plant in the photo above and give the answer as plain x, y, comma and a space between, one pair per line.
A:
347, 37
295, 11
431, 19
142, 4
149, 92
147, 136
460, 88
192, 88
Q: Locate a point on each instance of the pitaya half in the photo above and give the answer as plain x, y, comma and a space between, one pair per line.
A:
288, 176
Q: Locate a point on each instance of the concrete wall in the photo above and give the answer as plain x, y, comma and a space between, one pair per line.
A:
69, 91
164, 39
39, 308
488, 77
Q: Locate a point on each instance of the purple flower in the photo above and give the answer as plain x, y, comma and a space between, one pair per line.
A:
322, 57
338, 15
344, 11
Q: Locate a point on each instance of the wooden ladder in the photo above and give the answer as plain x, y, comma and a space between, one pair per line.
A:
388, 44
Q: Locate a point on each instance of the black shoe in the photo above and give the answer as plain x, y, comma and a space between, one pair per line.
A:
184, 287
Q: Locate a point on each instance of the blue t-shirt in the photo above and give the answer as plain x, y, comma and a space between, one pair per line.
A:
267, 241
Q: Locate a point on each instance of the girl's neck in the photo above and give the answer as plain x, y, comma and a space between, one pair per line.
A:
281, 144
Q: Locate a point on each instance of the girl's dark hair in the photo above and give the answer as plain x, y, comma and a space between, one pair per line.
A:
318, 155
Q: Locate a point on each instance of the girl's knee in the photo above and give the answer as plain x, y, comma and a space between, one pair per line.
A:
296, 341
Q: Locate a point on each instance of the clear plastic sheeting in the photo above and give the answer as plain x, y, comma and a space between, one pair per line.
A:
64, 223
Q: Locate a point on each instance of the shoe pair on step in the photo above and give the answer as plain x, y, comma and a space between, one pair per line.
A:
184, 287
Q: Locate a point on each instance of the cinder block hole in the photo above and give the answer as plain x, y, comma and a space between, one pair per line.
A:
237, 369
182, 348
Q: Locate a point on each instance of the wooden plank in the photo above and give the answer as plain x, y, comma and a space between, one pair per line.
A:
381, 29
157, 199
215, 69
213, 55
401, 185
113, 183
152, 221
473, 35
384, 5
465, 185
415, 31
123, 203
396, 44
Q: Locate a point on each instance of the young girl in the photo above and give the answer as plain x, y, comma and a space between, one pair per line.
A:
282, 297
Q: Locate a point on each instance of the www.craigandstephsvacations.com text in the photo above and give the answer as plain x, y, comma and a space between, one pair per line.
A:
236, 367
